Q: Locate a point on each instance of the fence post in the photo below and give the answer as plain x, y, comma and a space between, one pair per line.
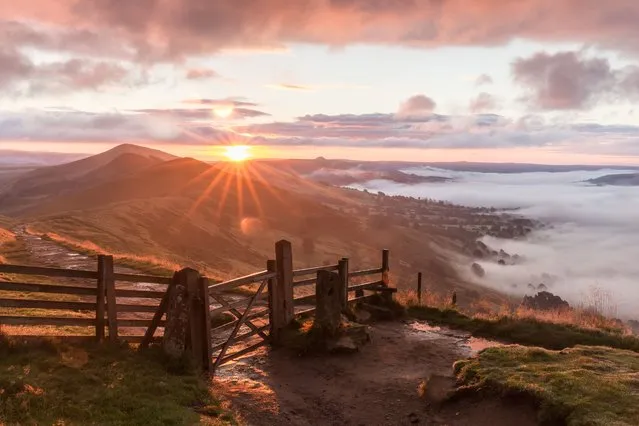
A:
100, 302
107, 274
271, 266
281, 293
342, 270
386, 274
197, 329
208, 353
419, 288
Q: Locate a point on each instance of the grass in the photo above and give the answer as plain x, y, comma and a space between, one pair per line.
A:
581, 386
52, 383
525, 331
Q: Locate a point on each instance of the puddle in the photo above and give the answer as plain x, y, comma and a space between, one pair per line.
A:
468, 344
477, 344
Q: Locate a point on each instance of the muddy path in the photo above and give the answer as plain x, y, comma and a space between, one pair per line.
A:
377, 386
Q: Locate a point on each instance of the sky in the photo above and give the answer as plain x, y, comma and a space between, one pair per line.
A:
588, 245
547, 81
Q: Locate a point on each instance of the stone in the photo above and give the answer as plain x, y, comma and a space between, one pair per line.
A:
176, 328
342, 345
328, 314
478, 270
437, 388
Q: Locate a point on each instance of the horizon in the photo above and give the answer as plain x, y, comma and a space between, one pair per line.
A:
437, 85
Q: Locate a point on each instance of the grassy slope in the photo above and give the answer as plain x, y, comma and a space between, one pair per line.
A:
581, 386
54, 384
525, 331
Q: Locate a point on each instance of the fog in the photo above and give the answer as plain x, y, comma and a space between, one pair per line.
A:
592, 239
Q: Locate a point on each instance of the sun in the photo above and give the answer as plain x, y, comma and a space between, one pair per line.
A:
224, 111
237, 153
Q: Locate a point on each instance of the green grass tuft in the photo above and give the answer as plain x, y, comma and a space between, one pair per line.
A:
581, 386
525, 331
52, 383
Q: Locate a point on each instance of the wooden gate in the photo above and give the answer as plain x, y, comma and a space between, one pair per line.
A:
250, 323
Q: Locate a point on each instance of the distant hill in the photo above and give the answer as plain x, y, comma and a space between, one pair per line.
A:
627, 179
30, 188
15, 158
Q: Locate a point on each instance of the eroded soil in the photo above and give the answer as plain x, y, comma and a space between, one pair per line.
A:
377, 386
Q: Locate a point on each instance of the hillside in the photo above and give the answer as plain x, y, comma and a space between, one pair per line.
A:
30, 188
625, 179
225, 218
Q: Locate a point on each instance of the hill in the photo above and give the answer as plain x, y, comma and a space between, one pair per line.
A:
624, 179
30, 188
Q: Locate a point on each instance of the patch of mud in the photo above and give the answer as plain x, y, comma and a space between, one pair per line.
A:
380, 385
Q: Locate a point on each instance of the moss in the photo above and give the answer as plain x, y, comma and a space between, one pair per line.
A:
52, 383
525, 331
579, 386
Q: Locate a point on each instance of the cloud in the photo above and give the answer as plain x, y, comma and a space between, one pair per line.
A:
591, 241
201, 74
288, 86
235, 102
164, 29
416, 106
483, 79
19, 75
571, 80
483, 102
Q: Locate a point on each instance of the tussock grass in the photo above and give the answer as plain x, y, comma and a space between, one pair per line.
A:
525, 331
52, 383
579, 386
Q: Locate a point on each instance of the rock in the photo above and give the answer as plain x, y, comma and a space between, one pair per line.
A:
478, 270
544, 301
342, 345
437, 389
328, 315
351, 337
177, 323
501, 262
362, 315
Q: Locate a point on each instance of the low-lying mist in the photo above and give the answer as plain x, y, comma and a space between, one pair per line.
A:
591, 239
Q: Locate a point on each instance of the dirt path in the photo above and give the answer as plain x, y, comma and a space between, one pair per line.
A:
377, 386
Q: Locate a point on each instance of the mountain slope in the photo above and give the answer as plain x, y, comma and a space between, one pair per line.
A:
30, 188
626, 179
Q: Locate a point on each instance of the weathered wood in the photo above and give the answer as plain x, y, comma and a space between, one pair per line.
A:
304, 299
22, 320
419, 288
313, 270
244, 351
361, 299
46, 288
208, 353
239, 323
241, 337
48, 272
231, 324
177, 317
140, 294
245, 280
306, 282
197, 329
138, 323
105, 265
328, 315
305, 312
231, 307
161, 310
47, 304
100, 298
136, 308
281, 293
359, 288
342, 270
147, 279
388, 296
365, 272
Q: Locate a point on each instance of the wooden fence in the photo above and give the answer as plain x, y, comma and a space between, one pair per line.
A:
242, 314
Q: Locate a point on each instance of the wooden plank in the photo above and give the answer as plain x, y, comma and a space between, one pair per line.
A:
236, 282
242, 337
204, 289
419, 288
31, 320
47, 272
238, 314
157, 318
361, 298
282, 304
342, 270
364, 286
150, 279
107, 275
228, 306
139, 294
47, 304
304, 299
306, 282
314, 270
100, 311
305, 312
45, 288
239, 323
244, 351
197, 329
136, 308
365, 272
231, 324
